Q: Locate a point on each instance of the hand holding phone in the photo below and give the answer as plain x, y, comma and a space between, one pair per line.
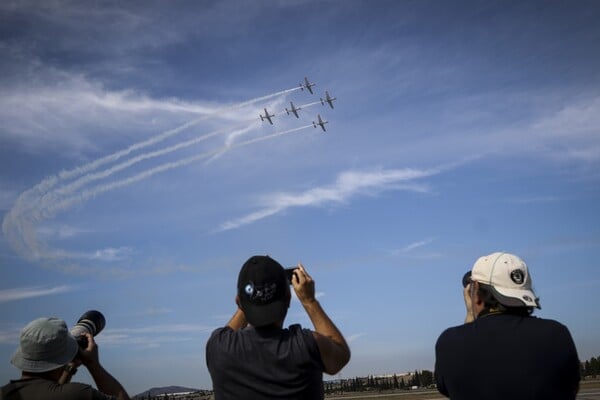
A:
289, 273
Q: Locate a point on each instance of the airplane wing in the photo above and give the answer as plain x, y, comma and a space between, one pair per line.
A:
293, 110
328, 99
307, 85
267, 116
321, 123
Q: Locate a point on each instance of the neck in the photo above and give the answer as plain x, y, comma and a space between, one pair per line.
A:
53, 375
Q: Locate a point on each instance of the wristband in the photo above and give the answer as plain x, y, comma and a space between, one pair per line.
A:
71, 369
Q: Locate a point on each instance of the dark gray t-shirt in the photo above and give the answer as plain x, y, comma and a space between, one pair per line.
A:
44, 389
254, 363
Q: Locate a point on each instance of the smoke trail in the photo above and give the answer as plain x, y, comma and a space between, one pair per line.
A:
49, 182
85, 195
22, 216
70, 188
19, 223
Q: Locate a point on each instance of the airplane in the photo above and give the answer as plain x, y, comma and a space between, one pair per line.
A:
293, 110
267, 116
307, 85
328, 99
321, 123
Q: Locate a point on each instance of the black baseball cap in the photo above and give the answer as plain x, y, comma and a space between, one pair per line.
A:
263, 291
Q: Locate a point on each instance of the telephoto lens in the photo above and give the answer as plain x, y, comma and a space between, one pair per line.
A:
91, 322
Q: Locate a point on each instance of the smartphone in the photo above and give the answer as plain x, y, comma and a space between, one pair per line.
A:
289, 272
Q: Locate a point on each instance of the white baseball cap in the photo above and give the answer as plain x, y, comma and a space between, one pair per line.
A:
509, 278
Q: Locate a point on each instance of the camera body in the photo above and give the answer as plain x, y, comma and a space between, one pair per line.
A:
91, 322
289, 273
466, 279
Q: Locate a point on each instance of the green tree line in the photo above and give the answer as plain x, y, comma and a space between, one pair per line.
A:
419, 379
591, 367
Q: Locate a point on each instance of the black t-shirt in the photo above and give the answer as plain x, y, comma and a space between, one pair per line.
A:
254, 363
505, 356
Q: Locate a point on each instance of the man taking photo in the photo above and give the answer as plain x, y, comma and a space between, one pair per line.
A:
254, 357
48, 356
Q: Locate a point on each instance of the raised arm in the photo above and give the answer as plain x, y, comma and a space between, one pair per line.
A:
334, 350
105, 382
238, 321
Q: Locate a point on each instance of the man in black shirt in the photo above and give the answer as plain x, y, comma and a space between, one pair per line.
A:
254, 357
502, 352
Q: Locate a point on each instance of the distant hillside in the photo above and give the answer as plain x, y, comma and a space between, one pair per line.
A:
164, 390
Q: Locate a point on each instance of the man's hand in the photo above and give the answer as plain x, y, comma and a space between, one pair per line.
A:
89, 355
238, 321
304, 285
334, 350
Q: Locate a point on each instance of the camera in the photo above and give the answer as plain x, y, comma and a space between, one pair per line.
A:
91, 322
289, 272
466, 279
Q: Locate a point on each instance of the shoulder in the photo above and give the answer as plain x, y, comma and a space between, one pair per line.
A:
220, 332
303, 336
550, 326
298, 331
454, 332
220, 335
79, 389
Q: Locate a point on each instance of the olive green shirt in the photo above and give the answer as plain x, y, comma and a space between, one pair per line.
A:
39, 388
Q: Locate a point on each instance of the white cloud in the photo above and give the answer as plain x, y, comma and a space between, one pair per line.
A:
7, 199
571, 133
415, 245
533, 199
354, 337
158, 311
7, 295
153, 336
68, 111
10, 336
61, 231
111, 254
347, 185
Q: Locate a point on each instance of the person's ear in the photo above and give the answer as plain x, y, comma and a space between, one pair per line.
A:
475, 298
237, 301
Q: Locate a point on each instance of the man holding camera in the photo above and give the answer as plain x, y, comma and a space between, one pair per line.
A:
502, 351
254, 357
48, 356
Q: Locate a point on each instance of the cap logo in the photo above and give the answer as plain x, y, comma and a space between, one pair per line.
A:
249, 289
261, 293
517, 276
527, 298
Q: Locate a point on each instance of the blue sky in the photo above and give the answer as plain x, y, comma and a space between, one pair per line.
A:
136, 176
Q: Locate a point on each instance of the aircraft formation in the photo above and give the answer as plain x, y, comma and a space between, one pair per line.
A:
294, 109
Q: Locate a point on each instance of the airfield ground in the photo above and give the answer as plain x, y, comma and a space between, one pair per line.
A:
589, 390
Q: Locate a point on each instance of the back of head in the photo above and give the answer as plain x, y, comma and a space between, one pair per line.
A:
263, 291
45, 344
506, 277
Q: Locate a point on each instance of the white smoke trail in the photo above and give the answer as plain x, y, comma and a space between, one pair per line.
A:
51, 181
19, 223
87, 194
70, 188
